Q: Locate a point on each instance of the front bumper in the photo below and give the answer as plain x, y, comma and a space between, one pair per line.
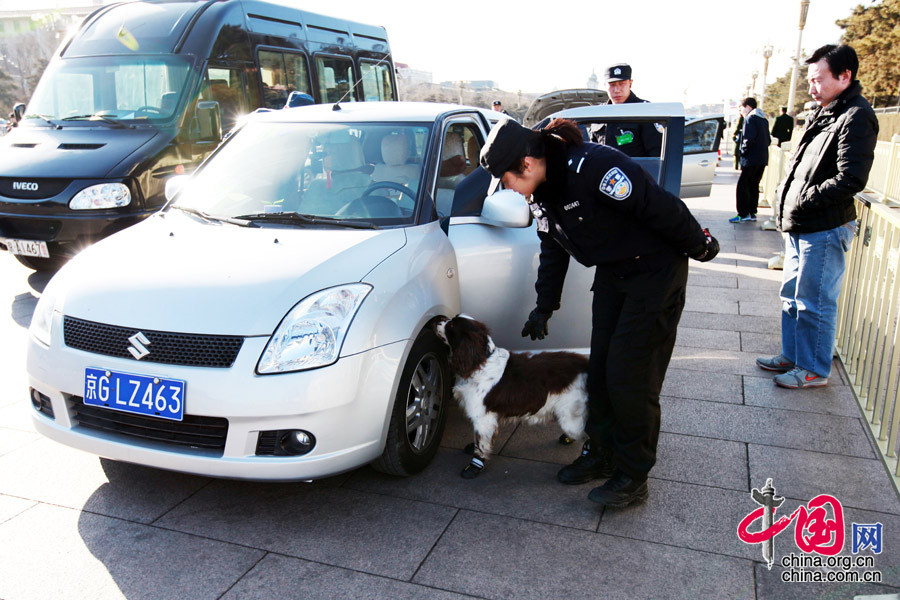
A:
346, 406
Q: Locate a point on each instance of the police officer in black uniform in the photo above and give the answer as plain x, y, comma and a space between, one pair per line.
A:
634, 139
599, 206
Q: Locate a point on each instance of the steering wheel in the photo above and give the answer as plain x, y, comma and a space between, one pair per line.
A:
147, 108
367, 202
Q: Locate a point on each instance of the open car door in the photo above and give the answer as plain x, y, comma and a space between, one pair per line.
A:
702, 136
497, 247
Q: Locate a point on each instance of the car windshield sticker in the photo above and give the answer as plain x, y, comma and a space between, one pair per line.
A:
626, 138
616, 184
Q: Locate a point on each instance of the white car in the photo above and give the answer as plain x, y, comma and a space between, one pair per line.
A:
273, 321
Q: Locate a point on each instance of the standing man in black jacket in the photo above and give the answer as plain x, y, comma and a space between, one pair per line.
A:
815, 210
754, 158
634, 139
783, 127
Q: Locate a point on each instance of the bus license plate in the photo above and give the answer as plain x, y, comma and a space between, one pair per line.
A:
138, 394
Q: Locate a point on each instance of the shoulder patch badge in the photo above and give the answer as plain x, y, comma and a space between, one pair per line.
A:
616, 184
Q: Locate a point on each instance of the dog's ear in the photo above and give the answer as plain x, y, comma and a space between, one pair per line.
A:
469, 343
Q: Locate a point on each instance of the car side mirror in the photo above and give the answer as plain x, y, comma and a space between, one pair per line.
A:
207, 125
175, 184
506, 208
19, 111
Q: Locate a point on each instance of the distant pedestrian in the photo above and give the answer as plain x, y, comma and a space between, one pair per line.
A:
814, 208
736, 138
783, 127
754, 158
634, 139
498, 106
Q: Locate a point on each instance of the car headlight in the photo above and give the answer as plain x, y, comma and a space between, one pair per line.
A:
104, 195
42, 318
312, 333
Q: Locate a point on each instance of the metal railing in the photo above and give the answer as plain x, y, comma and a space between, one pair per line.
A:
868, 337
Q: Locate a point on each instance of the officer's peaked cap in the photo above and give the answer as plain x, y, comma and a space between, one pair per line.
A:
507, 143
619, 72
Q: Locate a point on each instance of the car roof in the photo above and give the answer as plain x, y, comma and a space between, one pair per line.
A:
388, 112
623, 111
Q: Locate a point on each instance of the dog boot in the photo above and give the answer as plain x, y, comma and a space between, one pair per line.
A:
592, 464
473, 469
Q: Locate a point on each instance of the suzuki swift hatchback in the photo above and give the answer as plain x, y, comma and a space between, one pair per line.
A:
273, 321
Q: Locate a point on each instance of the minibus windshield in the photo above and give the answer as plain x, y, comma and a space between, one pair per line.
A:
100, 88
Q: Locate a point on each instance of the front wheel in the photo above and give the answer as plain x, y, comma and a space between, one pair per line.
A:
420, 409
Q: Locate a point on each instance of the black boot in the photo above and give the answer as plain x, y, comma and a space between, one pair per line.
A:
621, 490
592, 464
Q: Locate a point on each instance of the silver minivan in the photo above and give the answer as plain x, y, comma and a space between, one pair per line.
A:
273, 321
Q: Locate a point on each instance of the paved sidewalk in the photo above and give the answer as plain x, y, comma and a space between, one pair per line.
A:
75, 526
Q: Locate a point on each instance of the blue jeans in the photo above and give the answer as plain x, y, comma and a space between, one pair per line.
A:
813, 270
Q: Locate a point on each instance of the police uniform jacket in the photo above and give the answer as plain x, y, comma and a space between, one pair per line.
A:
605, 210
634, 139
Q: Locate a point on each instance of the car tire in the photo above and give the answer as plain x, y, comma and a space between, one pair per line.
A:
419, 413
54, 263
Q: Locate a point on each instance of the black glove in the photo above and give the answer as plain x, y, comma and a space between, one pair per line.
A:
707, 251
536, 325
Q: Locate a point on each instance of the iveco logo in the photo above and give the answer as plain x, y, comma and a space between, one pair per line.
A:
25, 185
138, 347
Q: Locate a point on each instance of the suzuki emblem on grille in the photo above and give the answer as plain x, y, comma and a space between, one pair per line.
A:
138, 347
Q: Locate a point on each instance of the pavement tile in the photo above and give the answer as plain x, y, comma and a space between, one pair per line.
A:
11, 506
828, 400
856, 482
525, 489
698, 303
285, 577
704, 461
767, 426
706, 320
498, 558
702, 279
765, 285
541, 442
49, 472
764, 344
699, 385
769, 586
17, 414
704, 338
459, 432
731, 294
685, 515
12, 439
715, 361
97, 557
760, 308
340, 527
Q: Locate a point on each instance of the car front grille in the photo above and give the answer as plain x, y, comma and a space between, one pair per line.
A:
186, 349
199, 433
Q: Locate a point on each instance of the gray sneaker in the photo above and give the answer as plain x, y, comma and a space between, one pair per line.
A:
798, 378
778, 364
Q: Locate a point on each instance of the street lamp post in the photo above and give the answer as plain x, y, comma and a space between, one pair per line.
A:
767, 54
754, 75
804, 9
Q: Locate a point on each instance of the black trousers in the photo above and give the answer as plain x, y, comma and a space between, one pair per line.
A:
635, 318
747, 190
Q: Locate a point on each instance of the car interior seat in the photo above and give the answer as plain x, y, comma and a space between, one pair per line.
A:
346, 177
453, 166
395, 168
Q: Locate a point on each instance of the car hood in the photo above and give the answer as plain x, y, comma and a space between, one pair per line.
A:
174, 273
74, 152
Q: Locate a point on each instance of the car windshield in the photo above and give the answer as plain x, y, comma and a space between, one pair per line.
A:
361, 171
129, 88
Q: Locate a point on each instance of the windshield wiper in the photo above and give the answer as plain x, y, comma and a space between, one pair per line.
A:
99, 118
295, 217
45, 118
213, 218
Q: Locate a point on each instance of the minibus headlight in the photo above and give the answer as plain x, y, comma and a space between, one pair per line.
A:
312, 333
104, 195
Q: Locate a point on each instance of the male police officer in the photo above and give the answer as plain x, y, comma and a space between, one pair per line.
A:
600, 207
634, 139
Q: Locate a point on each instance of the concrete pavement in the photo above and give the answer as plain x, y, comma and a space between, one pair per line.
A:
76, 526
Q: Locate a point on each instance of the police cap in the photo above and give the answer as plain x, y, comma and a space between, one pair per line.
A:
619, 72
507, 143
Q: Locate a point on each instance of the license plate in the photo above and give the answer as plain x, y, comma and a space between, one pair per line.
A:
27, 248
138, 394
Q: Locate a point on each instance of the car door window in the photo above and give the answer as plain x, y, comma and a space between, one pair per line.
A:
376, 81
224, 85
460, 148
281, 74
701, 136
335, 79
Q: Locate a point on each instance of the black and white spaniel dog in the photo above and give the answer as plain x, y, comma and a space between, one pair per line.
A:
493, 384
